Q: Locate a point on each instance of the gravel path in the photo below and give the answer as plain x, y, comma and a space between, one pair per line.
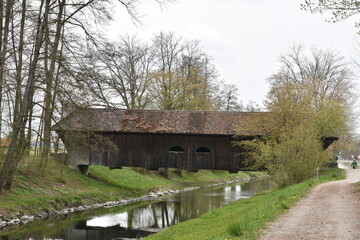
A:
330, 211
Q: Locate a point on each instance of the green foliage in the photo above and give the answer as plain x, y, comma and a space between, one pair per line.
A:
331, 120
295, 156
185, 77
235, 229
164, 172
288, 105
291, 149
290, 157
176, 92
303, 114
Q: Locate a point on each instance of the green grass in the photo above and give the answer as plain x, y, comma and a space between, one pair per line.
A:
63, 187
244, 219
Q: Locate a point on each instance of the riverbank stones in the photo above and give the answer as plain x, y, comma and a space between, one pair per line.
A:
18, 218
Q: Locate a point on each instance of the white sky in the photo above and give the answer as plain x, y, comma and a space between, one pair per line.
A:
244, 37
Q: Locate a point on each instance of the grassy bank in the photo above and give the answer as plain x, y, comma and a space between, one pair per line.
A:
61, 187
245, 218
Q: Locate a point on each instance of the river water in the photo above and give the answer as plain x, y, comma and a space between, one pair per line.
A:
138, 219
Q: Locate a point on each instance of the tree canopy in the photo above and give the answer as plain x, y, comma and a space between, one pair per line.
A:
308, 100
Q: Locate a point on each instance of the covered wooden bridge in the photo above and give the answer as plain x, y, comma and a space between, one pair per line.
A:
153, 139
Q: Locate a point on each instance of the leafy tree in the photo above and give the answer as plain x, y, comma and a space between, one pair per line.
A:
184, 74
166, 88
294, 156
331, 120
290, 147
197, 77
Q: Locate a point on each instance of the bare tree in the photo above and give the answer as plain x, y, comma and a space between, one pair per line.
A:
322, 74
124, 70
252, 106
340, 9
4, 36
167, 74
16, 145
35, 39
228, 98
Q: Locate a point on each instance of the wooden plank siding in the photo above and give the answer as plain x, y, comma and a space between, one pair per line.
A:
152, 151
153, 139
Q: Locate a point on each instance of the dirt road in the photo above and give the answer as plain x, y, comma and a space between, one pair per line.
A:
330, 211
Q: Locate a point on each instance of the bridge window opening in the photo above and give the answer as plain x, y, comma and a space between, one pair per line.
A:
203, 150
176, 149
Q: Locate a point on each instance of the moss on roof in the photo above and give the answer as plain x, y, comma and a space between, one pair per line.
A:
162, 121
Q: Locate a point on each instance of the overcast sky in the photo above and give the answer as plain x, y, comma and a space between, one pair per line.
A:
244, 37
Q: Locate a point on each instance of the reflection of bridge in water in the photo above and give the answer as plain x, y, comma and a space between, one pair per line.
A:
138, 219
171, 211
157, 215
148, 219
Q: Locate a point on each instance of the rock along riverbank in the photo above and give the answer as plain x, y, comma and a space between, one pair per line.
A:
19, 219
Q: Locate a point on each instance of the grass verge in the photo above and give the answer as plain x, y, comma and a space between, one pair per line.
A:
61, 187
246, 218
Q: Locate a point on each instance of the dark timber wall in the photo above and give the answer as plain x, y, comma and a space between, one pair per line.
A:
153, 151
153, 139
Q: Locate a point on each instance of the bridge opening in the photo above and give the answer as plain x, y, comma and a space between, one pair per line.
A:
203, 150
176, 149
176, 157
203, 158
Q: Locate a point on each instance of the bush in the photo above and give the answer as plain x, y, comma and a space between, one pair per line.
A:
235, 229
291, 156
295, 156
163, 172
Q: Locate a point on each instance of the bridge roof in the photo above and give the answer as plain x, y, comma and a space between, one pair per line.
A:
163, 121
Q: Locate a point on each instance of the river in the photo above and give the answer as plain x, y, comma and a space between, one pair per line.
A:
138, 219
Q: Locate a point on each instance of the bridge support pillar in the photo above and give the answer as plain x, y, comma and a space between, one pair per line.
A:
83, 169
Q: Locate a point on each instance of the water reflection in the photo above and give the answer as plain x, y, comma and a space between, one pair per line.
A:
157, 215
145, 219
179, 207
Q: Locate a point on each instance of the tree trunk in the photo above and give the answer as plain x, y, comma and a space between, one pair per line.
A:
4, 35
29, 132
19, 62
12, 157
49, 84
1, 80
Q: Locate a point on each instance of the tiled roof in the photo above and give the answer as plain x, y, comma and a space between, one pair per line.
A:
162, 121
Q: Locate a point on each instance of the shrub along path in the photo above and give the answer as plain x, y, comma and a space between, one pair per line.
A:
330, 211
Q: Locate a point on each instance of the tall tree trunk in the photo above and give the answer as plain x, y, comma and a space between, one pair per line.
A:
49, 84
4, 35
39, 139
12, 157
19, 62
1, 81
29, 132
17, 156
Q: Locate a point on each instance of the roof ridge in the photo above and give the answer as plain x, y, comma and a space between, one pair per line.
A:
170, 110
